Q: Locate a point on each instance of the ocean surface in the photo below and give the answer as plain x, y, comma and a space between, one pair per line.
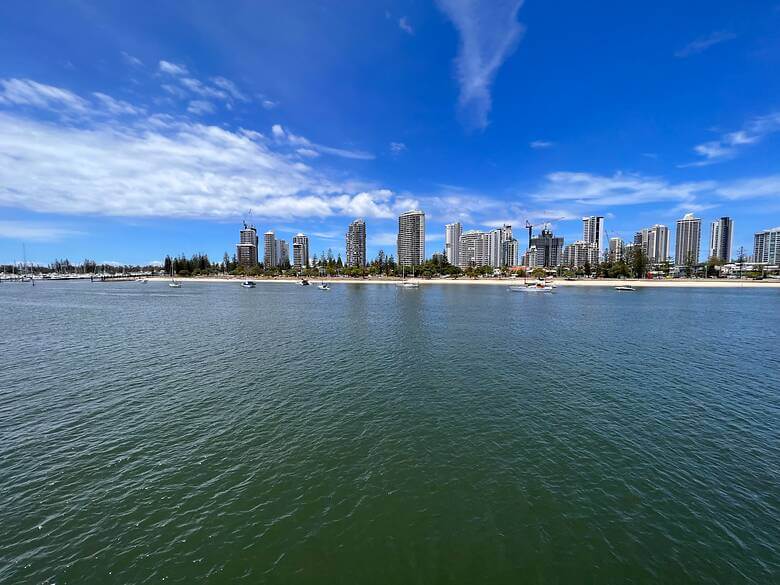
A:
450, 434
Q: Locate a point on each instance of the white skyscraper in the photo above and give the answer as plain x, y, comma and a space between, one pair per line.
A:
246, 249
282, 253
688, 242
721, 236
766, 246
411, 238
269, 255
356, 244
616, 249
654, 242
593, 230
300, 251
452, 233
579, 254
475, 248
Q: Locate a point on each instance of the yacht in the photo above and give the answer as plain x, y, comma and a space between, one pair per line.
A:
248, 284
540, 287
173, 283
625, 288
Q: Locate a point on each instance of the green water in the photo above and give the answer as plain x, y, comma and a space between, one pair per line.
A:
450, 434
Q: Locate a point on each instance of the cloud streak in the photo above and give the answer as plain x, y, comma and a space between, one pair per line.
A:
702, 44
489, 34
729, 144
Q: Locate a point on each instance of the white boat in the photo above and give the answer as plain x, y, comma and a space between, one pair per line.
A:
323, 286
303, 282
142, 280
536, 288
248, 284
625, 288
173, 283
405, 283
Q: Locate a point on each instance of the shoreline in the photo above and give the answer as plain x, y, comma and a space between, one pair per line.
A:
601, 282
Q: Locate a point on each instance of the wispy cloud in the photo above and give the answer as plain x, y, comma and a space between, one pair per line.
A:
172, 68
166, 166
117, 107
397, 147
131, 60
729, 144
29, 231
702, 44
541, 144
489, 33
26, 92
751, 188
285, 137
617, 189
404, 25
201, 107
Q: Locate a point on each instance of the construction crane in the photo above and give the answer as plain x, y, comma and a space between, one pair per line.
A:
530, 226
248, 215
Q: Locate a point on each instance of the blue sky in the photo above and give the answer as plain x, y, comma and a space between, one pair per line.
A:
132, 130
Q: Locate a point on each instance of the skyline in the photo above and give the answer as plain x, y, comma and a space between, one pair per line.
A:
136, 135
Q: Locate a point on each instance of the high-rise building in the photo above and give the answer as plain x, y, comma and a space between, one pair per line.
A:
549, 249
530, 257
766, 246
301, 251
501, 236
411, 238
269, 252
593, 231
452, 233
617, 250
721, 235
474, 249
654, 242
510, 250
356, 244
282, 253
246, 249
688, 241
580, 253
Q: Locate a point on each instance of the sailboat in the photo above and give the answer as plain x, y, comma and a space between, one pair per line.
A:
173, 283
405, 283
323, 286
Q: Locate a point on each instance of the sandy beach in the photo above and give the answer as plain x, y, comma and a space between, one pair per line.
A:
601, 282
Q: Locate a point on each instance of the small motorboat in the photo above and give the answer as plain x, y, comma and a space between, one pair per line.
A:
142, 280
625, 288
538, 287
248, 284
303, 282
323, 286
407, 284
174, 284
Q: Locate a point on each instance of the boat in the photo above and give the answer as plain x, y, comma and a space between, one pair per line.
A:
537, 287
173, 283
323, 286
248, 284
303, 282
625, 288
406, 283
142, 280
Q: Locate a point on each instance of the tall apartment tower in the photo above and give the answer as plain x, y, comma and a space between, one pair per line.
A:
593, 231
411, 238
654, 242
549, 249
766, 246
356, 244
300, 251
269, 245
246, 249
282, 253
452, 233
721, 236
688, 242
474, 249
617, 249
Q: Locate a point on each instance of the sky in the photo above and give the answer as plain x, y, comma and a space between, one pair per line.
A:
129, 130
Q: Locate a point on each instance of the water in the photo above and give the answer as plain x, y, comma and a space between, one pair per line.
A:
451, 434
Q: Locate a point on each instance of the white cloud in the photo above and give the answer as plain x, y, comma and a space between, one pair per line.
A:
230, 87
117, 107
751, 188
172, 68
539, 144
131, 60
283, 136
617, 189
404, 25
489, 33
200, 107
26, 92
702, 44
269, 104
200, 89
397, 147
729, 144
308, 152
35, 231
